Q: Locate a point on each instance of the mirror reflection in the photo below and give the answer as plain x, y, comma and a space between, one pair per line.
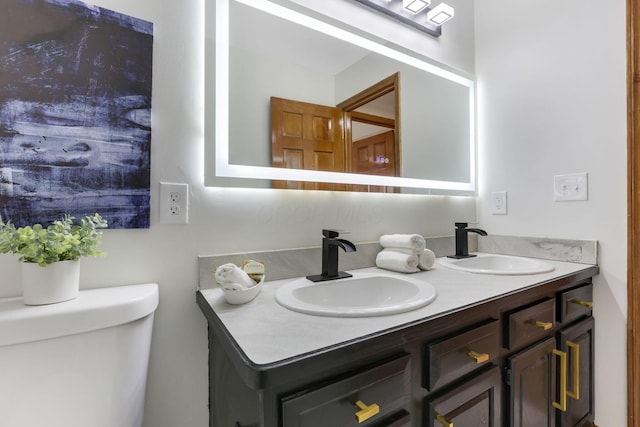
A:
421, 128
358, 135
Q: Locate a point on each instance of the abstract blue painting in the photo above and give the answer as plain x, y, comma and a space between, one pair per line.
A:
75, 113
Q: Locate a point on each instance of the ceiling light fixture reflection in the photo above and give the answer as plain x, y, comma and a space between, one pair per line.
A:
440, 14
415, 6
411, 12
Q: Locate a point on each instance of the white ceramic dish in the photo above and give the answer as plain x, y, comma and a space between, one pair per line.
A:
239, 294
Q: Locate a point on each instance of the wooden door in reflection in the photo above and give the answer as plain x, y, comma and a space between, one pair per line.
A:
307, 136
374, 155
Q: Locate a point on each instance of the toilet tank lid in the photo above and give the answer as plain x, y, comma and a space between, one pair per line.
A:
93, 309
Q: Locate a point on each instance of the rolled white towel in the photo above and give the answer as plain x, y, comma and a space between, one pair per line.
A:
415, 242
426, 259
397, 261
228, 274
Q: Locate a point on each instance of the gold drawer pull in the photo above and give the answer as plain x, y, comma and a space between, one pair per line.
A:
587, 304
365, 411
543, 325
442, 420
562, 394
575, 348
479, 357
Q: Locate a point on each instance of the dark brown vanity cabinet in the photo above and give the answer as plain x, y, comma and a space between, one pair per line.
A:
550, 382
524, 360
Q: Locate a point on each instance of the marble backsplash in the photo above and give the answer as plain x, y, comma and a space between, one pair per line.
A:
580, 251
285, 264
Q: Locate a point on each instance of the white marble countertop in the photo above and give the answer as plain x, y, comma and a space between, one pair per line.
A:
269, 333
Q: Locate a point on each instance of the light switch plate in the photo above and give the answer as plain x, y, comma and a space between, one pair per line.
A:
499, 203
570, 187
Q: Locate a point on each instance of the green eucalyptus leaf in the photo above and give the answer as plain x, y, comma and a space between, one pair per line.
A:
60, 241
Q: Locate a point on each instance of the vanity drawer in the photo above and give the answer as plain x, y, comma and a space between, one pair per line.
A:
575, 303
335, 403
452, 357
526, 325
476, 402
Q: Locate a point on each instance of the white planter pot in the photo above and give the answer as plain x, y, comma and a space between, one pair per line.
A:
56, 282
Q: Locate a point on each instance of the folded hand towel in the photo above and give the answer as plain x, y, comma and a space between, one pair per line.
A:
426, 259
228, 274
415, 242
397, 261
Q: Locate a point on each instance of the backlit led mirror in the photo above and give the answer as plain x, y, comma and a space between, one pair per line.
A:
264, 51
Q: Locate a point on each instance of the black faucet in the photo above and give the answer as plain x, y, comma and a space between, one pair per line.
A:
330, 245
462, 242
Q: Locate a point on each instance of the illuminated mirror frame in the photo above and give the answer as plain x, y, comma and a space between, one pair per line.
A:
224, 169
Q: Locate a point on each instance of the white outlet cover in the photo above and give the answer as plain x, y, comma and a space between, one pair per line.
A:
499, 203
570, 187
174, 203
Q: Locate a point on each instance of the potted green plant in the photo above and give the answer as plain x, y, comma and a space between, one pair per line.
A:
50, 256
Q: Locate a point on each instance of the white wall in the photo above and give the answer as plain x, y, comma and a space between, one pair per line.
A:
222, 220
552, 100
255, 80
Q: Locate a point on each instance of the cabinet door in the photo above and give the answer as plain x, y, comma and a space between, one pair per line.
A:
472, 404
531, 385
577, 342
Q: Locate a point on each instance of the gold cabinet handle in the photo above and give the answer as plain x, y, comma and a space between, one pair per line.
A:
442, 420
575, 348
478, 357
587, 304
562, 403
366, 411
543, 325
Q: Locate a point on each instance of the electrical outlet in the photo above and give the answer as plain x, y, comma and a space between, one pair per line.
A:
570, 187
174, 197
499, 203
174, 204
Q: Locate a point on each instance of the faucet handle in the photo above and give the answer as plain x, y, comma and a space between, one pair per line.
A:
461, 224
332, 233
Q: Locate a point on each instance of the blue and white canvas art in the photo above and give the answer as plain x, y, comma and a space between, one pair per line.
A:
75, 113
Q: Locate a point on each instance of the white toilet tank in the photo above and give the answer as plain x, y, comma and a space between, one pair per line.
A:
80, 363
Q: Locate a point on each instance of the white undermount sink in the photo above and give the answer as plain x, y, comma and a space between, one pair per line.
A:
363, 295
485, 263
